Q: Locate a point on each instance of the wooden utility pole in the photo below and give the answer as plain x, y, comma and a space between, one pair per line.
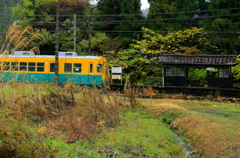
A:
75, 32
89, 39
56, 46
89, 23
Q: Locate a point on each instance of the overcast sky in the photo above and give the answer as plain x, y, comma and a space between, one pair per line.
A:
144, 4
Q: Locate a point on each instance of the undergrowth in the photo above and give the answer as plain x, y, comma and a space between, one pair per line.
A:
44, 120
32, 114
209, 135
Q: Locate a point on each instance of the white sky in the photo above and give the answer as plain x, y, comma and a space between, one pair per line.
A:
144, 4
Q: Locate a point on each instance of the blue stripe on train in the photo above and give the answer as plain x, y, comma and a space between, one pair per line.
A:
43, 77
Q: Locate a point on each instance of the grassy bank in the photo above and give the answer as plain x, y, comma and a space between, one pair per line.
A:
41, 120
212, 128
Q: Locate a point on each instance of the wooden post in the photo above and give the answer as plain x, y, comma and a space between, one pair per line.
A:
56, 46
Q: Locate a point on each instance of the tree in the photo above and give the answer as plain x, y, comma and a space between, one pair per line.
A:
97, 41
189, 41
174, 15
119, 16
236, 74
5, 14
41, 15
160, 10
224, 26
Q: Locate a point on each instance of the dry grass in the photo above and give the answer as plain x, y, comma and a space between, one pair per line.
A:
31, 113
53, 112
210, 136
160, 108
149, 91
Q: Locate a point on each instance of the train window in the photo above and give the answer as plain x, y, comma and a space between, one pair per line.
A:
223, 73
90, 68
77, 67
68, 67
31, 66
175, 71
6, 66
40, 67
23, 66
52, 67
100, 68
14, 66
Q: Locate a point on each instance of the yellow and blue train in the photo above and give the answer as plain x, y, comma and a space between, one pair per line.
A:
28, 67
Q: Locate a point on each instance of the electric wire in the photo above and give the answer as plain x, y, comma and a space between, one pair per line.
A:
131, 21
119, 15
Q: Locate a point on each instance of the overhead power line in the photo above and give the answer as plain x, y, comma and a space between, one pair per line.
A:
167, 19
128, 21
120, 15
110, 31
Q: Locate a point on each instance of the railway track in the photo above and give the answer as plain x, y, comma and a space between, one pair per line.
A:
190, 93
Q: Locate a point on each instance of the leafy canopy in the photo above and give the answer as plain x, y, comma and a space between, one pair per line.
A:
188, 41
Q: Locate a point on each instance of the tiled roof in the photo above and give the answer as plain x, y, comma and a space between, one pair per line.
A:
197, 59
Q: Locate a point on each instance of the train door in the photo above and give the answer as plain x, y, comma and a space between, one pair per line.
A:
90, 74
68, 72
51, 71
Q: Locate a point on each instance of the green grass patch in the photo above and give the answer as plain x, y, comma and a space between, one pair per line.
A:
141, 136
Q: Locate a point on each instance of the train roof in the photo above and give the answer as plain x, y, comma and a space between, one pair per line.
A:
50, 56
65, 55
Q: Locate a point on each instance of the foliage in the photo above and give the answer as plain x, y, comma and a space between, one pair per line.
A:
47, 8
236, 74
161, 6
189, 41
224, 27
98, 42
132, 64
18, 39
197, 77
129, 11
5, 14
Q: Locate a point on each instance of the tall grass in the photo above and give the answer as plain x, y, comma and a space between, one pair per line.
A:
31, 113
210, 136
18, 38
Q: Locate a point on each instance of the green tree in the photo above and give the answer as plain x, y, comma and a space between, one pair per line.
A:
119, 17
186, 14
96, 42
6, 16
160, 10
41, 15
236, 74
224, 27
188, 41
174, 15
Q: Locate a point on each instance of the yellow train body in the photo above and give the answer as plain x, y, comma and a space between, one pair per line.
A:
89, 70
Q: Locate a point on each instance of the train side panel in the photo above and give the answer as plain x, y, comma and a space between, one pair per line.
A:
32, 69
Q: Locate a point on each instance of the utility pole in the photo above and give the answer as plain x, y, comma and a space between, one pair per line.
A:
90, 31
75, 32
56, 46
89, 39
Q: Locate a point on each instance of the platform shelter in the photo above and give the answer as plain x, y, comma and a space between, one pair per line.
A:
218, 69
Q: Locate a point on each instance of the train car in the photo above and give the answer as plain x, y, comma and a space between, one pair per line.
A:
28, 67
